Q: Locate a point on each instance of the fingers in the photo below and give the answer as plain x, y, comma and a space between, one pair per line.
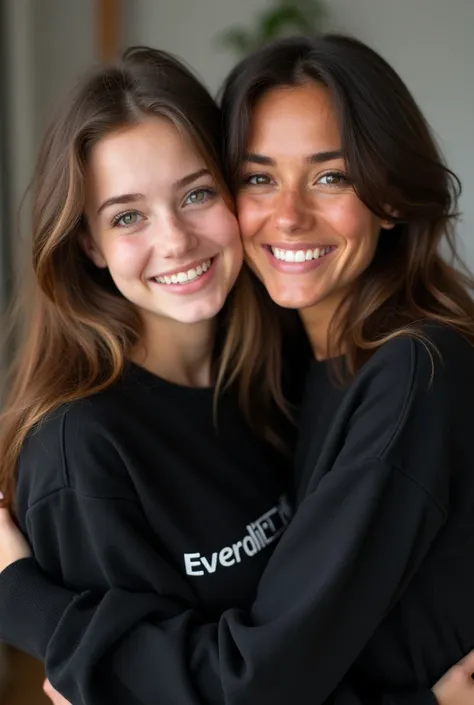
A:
55, 697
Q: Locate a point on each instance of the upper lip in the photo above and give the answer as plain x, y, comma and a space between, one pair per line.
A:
298, 245
184, 267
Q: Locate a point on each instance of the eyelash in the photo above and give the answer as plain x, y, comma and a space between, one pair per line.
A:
339, 174
117, 218
210, 193
344, 180
246, 179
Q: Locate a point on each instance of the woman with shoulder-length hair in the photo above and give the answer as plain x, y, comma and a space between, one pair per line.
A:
347, 213
367, 592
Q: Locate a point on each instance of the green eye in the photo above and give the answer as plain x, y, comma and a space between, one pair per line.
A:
129, 219
126, 220
200, 195
197, 197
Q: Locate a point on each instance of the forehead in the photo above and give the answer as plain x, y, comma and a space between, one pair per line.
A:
294, 119
134, 158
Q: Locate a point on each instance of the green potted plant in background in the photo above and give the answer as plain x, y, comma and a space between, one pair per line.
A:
284, 17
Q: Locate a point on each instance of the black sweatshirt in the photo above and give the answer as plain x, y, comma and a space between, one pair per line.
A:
373, 579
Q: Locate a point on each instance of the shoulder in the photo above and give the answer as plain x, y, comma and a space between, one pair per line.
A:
415, 391
411, 363
410, 407
76, 446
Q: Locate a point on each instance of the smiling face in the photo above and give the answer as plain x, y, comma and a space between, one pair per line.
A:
306, 234
158, 223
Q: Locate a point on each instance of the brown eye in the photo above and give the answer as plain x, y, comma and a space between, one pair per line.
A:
332, 178
257, 180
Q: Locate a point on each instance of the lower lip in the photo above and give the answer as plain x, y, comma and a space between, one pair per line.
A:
190, 287
296, 267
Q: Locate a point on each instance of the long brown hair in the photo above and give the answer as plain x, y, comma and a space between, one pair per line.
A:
80, 328
392, 159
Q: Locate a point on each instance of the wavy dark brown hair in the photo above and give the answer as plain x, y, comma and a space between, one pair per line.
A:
392, 159
80, 329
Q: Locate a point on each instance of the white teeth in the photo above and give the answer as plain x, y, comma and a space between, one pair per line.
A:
188, 276
300, 255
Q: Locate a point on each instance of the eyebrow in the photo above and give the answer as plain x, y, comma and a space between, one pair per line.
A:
124, 198
316, 158
186, 180
134, 197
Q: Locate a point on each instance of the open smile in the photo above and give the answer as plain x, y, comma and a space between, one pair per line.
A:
187, 280
185, 275
296, 260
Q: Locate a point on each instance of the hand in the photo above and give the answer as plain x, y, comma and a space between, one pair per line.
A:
456, 687
13, 544
55, 697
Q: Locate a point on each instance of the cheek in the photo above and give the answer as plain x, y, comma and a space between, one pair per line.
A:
250, 215
230, 229
221, 227
353, 221
344, 218
127, 257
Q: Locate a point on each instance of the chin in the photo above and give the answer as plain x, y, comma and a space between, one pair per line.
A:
204, 311
290, 299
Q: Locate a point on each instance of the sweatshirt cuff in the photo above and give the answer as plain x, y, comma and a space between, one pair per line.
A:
31, 607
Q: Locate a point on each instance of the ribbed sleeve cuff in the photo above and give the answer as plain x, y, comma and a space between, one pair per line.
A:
31, 607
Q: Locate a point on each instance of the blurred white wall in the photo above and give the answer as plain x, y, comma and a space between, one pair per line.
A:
431, 45
64, 46
429, 42
189, 29
49, 44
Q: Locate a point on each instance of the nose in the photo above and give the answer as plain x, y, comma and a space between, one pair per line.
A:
292, 214
173, 238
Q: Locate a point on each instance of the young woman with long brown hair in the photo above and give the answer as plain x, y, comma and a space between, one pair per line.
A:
368, 537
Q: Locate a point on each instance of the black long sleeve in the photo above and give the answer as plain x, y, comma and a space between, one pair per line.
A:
147, 646
375, 527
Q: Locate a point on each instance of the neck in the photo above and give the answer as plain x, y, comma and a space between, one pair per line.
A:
181, 353
317, 322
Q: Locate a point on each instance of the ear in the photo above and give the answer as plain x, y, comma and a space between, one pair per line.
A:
389, 224
86, 241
